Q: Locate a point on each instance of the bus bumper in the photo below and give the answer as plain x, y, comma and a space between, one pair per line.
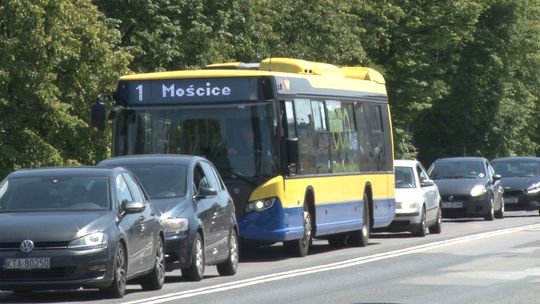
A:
275, 224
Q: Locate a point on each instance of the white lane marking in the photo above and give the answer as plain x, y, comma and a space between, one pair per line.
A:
323, 268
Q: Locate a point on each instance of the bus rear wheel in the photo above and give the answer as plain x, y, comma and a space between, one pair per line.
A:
360, 238
300, 248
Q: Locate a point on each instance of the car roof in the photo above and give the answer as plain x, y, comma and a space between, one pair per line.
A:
63, 171
517, 158
151, 159
461, 158
405, 162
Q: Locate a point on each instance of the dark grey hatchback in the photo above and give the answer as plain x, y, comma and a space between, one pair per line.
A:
65, 228
196, 210
469, 187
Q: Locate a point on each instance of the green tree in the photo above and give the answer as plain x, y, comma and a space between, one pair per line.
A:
490, 108
57, 55
417, 44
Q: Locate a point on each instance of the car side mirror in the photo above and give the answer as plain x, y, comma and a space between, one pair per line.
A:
496, 177
427, 183
205, 192
133, 207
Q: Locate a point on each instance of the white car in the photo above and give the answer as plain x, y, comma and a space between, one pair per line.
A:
418, 203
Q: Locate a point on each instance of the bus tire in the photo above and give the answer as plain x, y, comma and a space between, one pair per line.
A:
300, 248
360, 238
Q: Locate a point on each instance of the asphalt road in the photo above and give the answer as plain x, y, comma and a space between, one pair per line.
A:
472, 261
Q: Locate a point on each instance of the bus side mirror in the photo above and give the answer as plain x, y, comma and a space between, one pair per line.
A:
97, 116
292, 151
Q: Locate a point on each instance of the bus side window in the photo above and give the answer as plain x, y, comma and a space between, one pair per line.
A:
321, 137
305, 130
363, 118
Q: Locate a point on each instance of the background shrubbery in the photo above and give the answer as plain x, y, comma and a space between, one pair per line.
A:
463, 76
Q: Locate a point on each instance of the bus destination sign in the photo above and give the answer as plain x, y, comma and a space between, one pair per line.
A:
180, 91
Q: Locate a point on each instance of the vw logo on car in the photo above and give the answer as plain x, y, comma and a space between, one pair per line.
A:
27, 246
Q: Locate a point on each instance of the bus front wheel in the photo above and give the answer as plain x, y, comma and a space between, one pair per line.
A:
300, 248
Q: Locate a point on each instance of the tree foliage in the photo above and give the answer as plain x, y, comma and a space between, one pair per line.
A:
56, 57
463, 76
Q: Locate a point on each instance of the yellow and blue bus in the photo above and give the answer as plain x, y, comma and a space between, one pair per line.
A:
304, 148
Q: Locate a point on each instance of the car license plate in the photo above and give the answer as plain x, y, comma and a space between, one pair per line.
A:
452, 204
510, 200
28, 263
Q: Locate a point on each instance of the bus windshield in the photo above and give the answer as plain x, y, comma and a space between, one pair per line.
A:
239, 139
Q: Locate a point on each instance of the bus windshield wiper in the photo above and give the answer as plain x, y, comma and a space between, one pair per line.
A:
239, 176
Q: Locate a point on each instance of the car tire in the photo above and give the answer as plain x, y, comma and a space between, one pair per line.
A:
300, 248
491, 214
195, 271
230, 266
155, 279
437, 228
422, 227
117, 289
500, 214
360, 238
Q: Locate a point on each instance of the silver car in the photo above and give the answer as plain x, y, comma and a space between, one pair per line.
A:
418, 203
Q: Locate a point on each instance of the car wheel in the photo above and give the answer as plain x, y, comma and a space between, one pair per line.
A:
300, 248
421, 228
195, 271
117, 289
491, 214
360, 238
229, 267
500, 214
436, 229
154, 280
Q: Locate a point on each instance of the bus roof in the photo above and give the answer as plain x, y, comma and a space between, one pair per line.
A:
318, 74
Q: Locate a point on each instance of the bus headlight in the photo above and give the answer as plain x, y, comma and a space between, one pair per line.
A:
478, 190
175, 224
260, 205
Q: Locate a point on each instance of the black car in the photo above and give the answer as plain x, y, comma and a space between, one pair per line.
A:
65, 228
521, 182
196, 211
469, 187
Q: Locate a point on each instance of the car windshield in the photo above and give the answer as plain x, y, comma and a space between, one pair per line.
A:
405, 178
457, 169
517, 168
161, 181
69, 193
